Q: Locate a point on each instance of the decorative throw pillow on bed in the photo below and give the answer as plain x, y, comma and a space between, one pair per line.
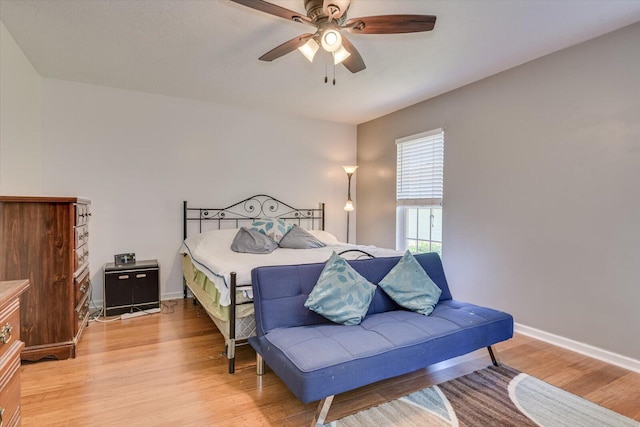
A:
410, 286
299, 238
252, 242
273, 227
341, 294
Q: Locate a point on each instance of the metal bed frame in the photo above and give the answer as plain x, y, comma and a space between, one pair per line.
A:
240, 214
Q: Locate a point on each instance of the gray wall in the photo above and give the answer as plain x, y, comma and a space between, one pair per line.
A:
542, 190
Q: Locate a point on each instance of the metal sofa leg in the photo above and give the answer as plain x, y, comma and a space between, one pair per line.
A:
259, 364
322, 411
493, 355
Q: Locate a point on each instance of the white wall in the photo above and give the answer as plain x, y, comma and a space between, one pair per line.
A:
137, 156
541, 190
20, 130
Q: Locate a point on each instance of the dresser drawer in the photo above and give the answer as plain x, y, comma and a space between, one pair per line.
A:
9, 326
82, 313
10, 385
80, 259
81, 235
83, 212
82, 285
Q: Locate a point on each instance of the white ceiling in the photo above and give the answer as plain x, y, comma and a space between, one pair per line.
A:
209, 49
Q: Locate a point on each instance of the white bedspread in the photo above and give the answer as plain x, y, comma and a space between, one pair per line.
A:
211, 254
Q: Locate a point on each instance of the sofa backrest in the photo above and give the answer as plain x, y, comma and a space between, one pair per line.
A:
279, 292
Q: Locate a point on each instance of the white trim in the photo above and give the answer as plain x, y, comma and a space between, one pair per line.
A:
579, 347
419, 135
173, 295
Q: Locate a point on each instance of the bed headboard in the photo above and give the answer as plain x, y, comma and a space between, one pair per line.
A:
245, 211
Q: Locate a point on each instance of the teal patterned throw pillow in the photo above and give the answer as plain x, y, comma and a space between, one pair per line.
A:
273, 227
341, 294
410, 286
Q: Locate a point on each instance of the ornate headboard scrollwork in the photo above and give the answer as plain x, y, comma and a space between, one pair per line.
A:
247, 210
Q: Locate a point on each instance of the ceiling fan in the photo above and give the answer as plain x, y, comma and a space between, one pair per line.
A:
329, 18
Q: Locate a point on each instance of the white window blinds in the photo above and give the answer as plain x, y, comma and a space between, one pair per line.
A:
420, 169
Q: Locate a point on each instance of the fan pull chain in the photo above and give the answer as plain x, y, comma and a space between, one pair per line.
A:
326, 79
334, 68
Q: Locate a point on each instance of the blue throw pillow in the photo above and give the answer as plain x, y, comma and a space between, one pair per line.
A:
341, 294
273, 227
410, 286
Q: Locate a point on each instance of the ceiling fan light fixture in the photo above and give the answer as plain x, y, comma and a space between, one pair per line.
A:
309, 49
340, 55
331, 40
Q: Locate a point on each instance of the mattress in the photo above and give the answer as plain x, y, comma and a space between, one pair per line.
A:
208, 295
211, 254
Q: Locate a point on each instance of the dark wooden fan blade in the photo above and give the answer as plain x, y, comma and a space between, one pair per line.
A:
390, 24
354, 62
286, 47
275, 10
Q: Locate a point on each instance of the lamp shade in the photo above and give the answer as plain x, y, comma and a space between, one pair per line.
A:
340, 55
350, 169
349, 206
309, 49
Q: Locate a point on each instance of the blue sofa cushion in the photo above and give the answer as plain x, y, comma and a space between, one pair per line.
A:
316, 361
410, 286
280, 302
319, 346
341, 294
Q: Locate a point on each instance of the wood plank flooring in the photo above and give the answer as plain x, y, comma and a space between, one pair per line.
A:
167, 370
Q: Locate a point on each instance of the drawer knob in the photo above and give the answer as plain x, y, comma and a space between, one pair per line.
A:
5, 333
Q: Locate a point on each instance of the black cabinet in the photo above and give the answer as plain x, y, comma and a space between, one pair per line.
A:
131, 287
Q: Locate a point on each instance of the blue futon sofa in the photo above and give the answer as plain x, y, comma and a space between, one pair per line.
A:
318, 359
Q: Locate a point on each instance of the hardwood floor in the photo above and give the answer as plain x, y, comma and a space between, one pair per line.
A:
166, 370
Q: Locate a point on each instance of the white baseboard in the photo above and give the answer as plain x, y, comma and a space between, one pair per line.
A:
172, 295
169, 296
582, 348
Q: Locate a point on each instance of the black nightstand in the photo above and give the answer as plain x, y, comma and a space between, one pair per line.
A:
131, 287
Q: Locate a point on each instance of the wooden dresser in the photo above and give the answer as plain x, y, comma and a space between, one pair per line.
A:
45, 239
10, 348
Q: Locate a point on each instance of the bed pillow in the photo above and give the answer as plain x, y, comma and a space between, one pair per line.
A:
410, 286
299, 238
273, 227
341, 294
324, 236
212, 240
252, 242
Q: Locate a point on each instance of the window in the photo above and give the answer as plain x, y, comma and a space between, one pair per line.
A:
419, 191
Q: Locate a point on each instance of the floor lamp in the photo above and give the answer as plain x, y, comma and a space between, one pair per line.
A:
350, 170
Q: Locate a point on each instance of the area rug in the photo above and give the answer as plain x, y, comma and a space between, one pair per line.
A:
494, 396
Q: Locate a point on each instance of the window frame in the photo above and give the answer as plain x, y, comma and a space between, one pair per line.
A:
427, 199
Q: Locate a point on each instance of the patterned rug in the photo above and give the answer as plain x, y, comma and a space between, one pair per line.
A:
494, 396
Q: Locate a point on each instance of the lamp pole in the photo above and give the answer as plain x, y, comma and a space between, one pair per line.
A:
350, 170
